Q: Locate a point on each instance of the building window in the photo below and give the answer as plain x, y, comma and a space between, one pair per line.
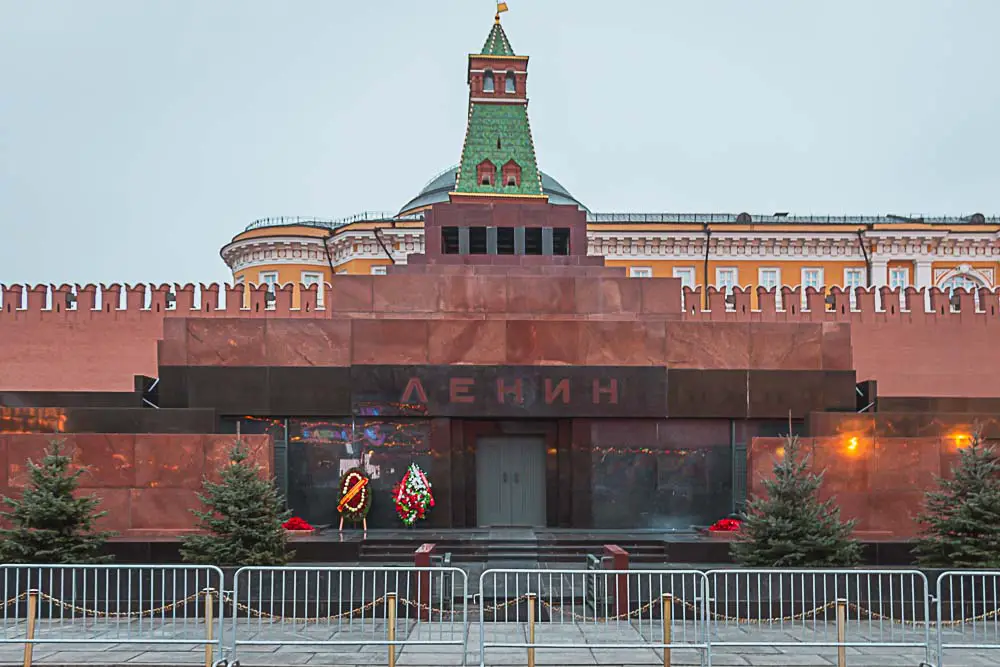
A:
511, 85
478, 241
560, 241
726, 279
899, 277
533, 241
511, 174
449, 240
853, 279
771, 279
963, 281
489, 83
640, 272
379, 270
310, 279
811, 278
686, 274
486, 173
269, 278
505, 240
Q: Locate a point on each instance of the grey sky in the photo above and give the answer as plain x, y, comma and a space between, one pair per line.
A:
138, 136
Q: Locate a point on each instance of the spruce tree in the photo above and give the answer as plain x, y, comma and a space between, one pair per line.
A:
50, 524
243, 516
962, 517
790, 527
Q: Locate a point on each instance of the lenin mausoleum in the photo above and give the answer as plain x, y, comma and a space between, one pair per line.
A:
546, 365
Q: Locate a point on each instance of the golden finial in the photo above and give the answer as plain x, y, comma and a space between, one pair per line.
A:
501, 8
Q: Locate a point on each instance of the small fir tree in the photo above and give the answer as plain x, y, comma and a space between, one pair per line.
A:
790, 527
243, 517
962, 517
50, 524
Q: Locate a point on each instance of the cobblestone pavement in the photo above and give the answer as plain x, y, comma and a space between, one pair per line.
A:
613, 644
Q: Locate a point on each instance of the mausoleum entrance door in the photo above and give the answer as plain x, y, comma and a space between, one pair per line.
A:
510, 485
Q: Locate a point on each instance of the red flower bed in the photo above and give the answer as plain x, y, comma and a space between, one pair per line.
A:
295, 523
725, 526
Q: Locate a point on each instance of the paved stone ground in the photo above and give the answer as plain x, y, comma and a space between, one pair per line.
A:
613, 644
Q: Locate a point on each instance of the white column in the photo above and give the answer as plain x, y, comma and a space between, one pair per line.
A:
922, 273
880, 278
923, 277
880, 273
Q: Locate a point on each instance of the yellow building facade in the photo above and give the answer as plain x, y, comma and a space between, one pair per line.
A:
701, 249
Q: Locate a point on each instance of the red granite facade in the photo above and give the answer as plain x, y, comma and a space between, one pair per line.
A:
640, 400
147, 483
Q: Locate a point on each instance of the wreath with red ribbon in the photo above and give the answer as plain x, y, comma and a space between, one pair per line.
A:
355, 495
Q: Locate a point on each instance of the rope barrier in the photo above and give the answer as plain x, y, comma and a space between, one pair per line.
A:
556, 608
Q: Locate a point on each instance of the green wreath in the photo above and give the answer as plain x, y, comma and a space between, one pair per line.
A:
354, 508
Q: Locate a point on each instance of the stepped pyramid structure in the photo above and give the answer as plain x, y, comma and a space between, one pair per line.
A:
497, 333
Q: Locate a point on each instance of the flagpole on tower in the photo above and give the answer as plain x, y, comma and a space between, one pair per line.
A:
501, 8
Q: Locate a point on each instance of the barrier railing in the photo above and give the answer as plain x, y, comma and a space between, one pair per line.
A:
655, 611
112, 604
968, 612
821, 608
653, 615
394, 607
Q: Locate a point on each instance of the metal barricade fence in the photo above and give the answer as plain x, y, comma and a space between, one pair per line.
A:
821, 608
112, 604
648, 611
394, 607
968, 612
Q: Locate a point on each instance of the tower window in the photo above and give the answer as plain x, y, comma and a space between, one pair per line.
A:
449, 240
560, 241
489, 84
512, 174
511, 82
533, 241
477, 241
486, 173
505, 240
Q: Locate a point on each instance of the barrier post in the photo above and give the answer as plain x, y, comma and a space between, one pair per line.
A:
422, 558
29, 648
209, 622
619, 561
531, 630
390, 602
667, 611
841, 632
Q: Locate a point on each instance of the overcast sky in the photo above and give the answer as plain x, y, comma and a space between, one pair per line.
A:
138, 136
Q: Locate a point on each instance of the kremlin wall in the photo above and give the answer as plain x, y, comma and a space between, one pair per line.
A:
504, 345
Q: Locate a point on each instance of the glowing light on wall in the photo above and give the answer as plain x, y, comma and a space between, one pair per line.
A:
960, 439
853, 446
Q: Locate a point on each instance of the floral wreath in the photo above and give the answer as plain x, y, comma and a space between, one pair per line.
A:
355, 496
412, 495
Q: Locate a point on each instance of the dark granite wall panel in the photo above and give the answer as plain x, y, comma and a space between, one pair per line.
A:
258, 390
236, 390
508, 391
320, 450
662, 474
706, 393
106, 420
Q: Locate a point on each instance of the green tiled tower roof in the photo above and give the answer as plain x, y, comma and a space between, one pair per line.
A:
497, 43
498, 132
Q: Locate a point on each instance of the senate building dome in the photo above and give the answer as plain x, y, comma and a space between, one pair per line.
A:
438, 188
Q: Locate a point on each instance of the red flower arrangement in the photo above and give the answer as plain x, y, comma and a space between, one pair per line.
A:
412, 496
725, 526
295, 523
